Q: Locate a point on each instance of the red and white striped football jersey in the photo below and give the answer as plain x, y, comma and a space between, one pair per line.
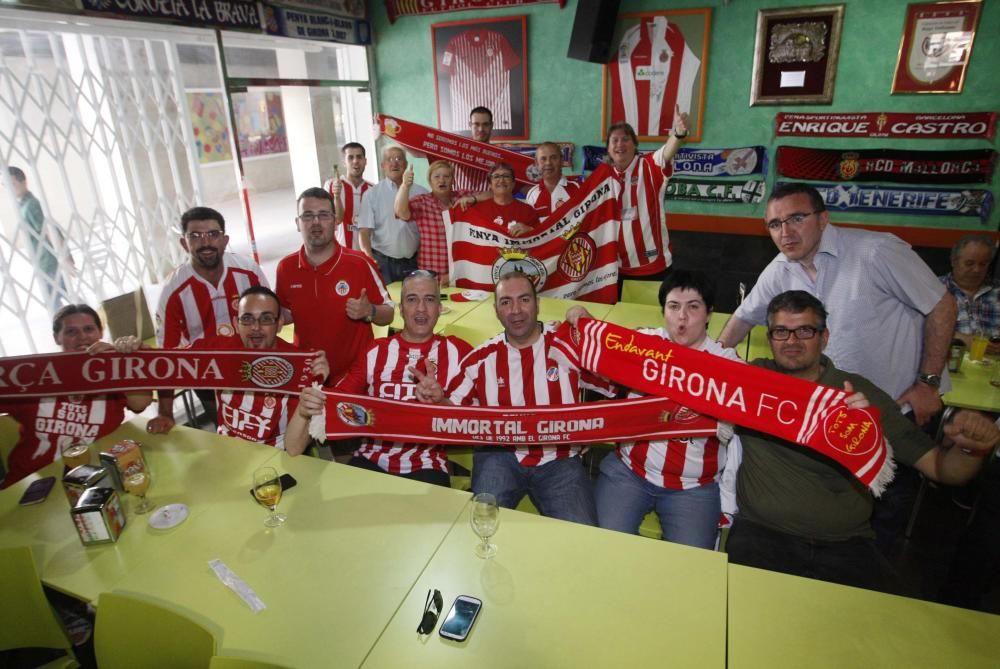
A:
255, 416
383, 372
470, 179
679, 464
545, 202
478, 63
347, 231
654, 72
191, 308
643, 242
48, 424
497, 374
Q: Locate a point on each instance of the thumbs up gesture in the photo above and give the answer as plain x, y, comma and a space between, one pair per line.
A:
359, 308
408, 176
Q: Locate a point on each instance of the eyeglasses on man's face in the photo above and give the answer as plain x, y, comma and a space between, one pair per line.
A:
208, 235
321, 216
779, 333
263, 320
502, 177
794, 220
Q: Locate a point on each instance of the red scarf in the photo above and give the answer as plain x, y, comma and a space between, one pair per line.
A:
622, 420
83, 373
778, 404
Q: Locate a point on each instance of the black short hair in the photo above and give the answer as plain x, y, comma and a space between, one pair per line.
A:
17, 173
353, 145
481, 110
796, 188
201, 214
696, 281
72, 310
316, 192
262, 290
796, 302
501, 166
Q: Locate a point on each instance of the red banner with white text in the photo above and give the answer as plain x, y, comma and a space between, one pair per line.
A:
963, 125
440, 145
84, 374
397, 8
572, 254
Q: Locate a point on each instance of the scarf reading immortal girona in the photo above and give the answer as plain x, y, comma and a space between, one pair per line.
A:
778, 404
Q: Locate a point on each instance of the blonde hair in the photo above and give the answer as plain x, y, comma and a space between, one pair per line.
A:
438, 164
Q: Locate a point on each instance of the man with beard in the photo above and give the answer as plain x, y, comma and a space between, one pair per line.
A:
548, 194
347, 191
390, 241
471, 179
334, 293
200, 298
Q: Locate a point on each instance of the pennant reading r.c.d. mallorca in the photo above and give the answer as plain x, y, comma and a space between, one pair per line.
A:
785, 406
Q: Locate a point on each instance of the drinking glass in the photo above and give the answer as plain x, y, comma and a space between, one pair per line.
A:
76, 453
137, 484
267, 490
977, 350
485, 519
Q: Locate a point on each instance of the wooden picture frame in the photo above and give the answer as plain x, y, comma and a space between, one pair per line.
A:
482, 62
936, 45
635, 59
795, 55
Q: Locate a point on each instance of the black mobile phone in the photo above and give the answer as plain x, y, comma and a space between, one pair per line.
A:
460, 618
37, 491
287, 483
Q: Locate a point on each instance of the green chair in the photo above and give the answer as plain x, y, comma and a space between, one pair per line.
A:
460, 460
134, 631
233, 662
26, 619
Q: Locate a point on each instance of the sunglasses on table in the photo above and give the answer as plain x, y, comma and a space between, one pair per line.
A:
432, 609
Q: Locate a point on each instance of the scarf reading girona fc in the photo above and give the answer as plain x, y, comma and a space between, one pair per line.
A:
804, 412
572, 254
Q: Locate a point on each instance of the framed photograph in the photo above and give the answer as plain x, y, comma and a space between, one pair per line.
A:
658, 65
795, 55
482, 63
935, 48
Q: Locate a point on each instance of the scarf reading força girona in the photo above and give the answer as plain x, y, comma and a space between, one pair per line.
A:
802, 411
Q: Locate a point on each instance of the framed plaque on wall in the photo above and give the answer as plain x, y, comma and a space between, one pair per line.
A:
935, 48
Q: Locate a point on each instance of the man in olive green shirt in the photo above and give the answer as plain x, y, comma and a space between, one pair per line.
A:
801, 512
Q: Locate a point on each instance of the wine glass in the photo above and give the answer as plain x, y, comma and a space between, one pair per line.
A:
137, 484
485, 519
76, 453
267, 490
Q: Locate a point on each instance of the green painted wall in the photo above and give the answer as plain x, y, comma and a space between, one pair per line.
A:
565, 94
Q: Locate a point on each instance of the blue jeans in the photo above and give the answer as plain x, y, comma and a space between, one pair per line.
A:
623, 499
394, 269
560, 488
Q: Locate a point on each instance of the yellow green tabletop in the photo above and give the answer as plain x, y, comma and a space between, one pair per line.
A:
777, 620
971, 388
559, 594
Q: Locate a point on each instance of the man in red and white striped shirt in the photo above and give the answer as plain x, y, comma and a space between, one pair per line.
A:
347, 191
548, 194
385, 371
643, 243
471, 179
200, 298
259, 416
516, 368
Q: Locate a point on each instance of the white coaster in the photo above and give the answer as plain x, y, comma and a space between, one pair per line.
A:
168, 516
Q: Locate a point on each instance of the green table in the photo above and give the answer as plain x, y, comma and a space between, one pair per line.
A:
777, 620
559, 594
971, 388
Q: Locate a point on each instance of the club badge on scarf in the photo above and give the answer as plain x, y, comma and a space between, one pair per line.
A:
778, 404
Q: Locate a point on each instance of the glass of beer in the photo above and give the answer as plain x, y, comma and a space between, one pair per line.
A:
76, 453
267, 490
137, 484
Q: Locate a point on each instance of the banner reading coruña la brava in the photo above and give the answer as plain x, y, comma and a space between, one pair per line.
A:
572, 254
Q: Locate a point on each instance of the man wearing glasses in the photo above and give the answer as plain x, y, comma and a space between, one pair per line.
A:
334, 294
390, 241
890, 318
259, 416
803, 514
513, 215
200, 297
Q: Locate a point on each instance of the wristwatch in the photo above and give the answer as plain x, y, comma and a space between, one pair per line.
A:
370, 317
933, 380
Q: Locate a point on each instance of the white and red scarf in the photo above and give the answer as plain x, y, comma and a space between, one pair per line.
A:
785, 406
